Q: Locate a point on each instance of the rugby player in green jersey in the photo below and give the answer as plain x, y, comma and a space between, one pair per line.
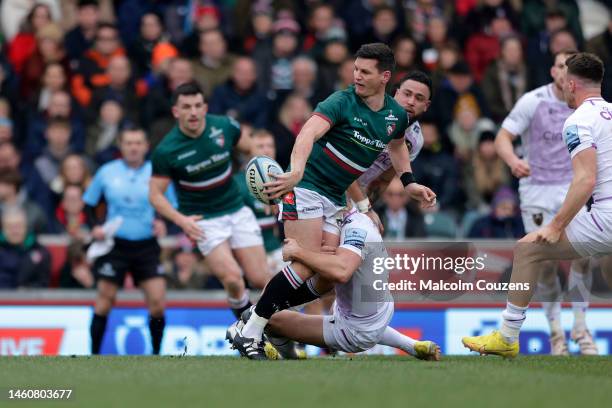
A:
337, 144
196, 156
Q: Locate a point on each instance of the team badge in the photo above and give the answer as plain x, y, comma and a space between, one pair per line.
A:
538, 219
220, 141
390, 128
289, 198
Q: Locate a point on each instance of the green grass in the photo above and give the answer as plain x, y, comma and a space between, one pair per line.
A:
364, 381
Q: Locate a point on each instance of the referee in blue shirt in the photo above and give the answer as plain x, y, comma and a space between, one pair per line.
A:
124, 185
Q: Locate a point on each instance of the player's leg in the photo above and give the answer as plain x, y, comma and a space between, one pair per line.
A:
296, 326
155, 296
579, 288
423, 350
105, 299
223, 265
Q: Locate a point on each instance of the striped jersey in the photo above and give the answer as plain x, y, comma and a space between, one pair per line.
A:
356, 138
201, 167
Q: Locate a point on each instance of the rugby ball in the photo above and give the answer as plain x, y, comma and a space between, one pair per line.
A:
258, 172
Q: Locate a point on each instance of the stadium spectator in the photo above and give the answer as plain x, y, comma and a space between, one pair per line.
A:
437, 169
538, 44
321, 22
345, 74
70, 217
54, 79
59, 107
81, 38
24, 263
480, 17
539, 73
158, 106
90, 73
49, 50
601, 45
401, 217
122, 87
102, 134
261, 28
13, 195
437, 29
292, 115
385, 27
23, 45
76, 272
73, 171
214, 65
240, 96
459, 82
141, 49
486, 174
503, 222
418, 13
305, 84
505, 79
206, 17
467, 125
449, 56
6, 129
534, 15
405, 50
483, 47
335, 52
274, 64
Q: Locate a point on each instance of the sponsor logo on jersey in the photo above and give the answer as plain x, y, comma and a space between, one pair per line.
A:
572, 140
362, 139
360, 121
186, 155
391, 116
355, 237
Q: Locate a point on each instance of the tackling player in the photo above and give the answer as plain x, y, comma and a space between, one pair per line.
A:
363, 308
336, 145
124, 185
573, 233
545, 173
196, 156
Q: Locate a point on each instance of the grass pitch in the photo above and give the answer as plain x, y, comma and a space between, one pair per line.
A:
362, 381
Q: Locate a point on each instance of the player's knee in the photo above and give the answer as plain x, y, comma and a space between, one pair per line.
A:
232, 280
156, 306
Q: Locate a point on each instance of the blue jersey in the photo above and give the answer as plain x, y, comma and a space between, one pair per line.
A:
126, 191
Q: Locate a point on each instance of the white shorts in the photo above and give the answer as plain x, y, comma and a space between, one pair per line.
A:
305, 204
339, 334
275, 261
590, 233
240, 228
540, 203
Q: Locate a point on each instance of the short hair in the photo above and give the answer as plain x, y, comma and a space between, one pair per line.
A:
58, 121
418, 76
383, 8
261, 133
568, 52
87, 3
385, 60
188, 88
586, 66
131, 127
105, 24
11, 177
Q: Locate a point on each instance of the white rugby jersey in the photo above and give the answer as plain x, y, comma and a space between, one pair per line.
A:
538, 118
591, 126
414, 139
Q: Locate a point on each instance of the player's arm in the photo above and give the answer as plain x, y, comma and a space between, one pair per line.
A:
400, 158
243, 145
584, 165
338, 267
363, 204
313, 130
505, 150
157, 188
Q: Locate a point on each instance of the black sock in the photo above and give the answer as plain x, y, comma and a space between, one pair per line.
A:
238, 310
304, 294
156, 327
278, 292
97, 329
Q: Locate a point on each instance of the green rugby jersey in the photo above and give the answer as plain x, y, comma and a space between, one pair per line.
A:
267, 223
356, 138
201, 168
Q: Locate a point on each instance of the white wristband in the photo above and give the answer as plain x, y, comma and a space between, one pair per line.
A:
363, 206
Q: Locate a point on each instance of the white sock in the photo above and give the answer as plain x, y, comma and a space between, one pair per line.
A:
579, 287
393, 338
514, 316
254, 328
238, 303
551, 304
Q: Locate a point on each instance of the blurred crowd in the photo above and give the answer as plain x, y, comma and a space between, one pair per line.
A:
73, 73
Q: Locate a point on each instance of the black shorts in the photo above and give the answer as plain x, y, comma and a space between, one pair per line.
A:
140, 258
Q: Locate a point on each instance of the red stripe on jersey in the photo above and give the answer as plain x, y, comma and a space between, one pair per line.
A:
324, 117
341, 163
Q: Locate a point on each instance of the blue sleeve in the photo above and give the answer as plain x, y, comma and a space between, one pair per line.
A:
95, 190
171, 195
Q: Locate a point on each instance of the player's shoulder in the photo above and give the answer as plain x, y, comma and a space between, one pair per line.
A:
537, 95
584, 114
110, 167
358, 225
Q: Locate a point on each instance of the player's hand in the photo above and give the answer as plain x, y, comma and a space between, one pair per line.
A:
548, 234
189, 225
282, 184
290, 248
376, 220
159, 228
422, 194
98, 233
520, 168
